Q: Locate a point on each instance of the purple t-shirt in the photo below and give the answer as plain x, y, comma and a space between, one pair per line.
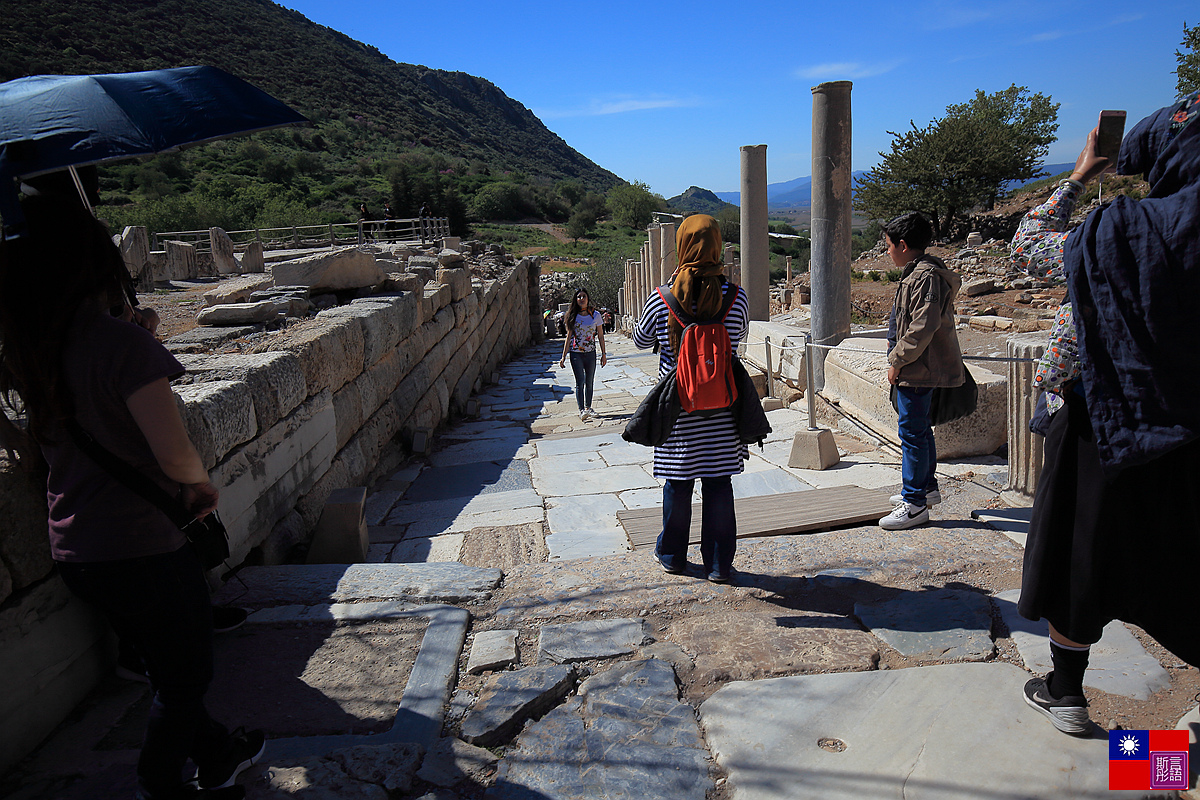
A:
93, 517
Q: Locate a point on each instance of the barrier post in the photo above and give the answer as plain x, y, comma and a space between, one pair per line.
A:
810, 388
770, 383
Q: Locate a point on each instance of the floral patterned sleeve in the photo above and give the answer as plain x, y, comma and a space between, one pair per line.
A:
1037, 246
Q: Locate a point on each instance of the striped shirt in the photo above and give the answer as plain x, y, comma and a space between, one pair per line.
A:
699, 447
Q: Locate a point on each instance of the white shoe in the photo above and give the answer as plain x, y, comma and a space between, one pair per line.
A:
589, 411
905, 515
931, 498
583, 415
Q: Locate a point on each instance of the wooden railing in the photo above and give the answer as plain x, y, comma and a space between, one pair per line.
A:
418, 230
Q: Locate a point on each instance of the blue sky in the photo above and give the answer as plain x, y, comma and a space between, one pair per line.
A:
666, 92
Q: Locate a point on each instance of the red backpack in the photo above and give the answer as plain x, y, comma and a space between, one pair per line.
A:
704, 363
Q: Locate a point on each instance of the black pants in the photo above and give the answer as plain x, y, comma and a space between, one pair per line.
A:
160, 606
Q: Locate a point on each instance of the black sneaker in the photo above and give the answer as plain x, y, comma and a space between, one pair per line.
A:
228, 618
245, 749
717, 576
668, 566
1067, 713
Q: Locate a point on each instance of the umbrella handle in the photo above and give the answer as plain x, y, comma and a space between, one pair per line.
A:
79, 188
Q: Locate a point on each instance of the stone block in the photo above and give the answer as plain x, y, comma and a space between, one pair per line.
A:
380, 324
582, 641
772, 403
976, 288
459, 280
348, 411
53, 651
423, 265
385, 374
348, 268
451, 243
262, 481
341, 535
512, 698
451, 761
813, 450
421, 439
404, 281
251, 261
223, 256
181, 262
219, 416
974, 239
330, 351
492, 650
450, 258
275, 380
134, 243
281, 541
236, 290
238, 314
436, 297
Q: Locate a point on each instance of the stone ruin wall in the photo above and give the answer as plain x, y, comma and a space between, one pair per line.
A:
279, 431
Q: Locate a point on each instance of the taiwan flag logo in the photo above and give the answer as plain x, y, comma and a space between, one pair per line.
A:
1148, 760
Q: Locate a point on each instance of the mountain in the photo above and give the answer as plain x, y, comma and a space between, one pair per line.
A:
366, 108
697, 201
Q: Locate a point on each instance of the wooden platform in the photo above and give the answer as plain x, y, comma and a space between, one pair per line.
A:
772, 514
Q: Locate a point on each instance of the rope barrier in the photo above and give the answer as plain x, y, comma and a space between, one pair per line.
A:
879, 352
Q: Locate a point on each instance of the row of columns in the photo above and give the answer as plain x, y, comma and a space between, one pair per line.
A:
830, 231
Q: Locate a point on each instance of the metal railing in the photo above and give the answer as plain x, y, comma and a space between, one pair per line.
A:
296, 237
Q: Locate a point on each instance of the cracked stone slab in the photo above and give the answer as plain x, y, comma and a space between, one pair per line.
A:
586, 544
943, 732
625, 736
745, 646
1117, 664
943, 624
492, 650
451, 761
512, 698
581, 641
316, 584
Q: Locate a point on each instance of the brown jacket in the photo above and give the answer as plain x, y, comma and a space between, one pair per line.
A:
927, 351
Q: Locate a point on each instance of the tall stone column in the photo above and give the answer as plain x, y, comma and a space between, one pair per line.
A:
727, 260
654, 232
1025, 448
788, 263
756, 253
830, 274
670, 258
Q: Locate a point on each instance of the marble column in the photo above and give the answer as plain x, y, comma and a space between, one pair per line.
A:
831, 207
756, 252
670, 259
789, 270
654, 232
1025, 448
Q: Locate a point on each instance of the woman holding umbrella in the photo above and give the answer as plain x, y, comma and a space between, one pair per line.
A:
67, 359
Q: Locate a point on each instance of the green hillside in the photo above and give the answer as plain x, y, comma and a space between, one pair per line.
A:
383, 131
698, 201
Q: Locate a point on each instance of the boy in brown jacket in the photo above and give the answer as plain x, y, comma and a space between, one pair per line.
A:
923, 354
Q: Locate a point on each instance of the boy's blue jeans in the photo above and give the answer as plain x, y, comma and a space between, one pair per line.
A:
918, 451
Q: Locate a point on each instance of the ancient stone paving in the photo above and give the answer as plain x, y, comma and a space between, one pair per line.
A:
852, 663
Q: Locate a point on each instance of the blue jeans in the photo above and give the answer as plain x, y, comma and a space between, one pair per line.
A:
718, 525
160, 606
918, 451
584, 367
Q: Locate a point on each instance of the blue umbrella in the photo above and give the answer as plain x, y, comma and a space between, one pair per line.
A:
55, 122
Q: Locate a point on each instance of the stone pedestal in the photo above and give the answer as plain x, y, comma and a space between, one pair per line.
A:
656, 276
813, 450
341, 535
755, 243
670, 258
1025, 449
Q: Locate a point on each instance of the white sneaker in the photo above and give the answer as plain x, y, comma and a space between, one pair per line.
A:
905, 515
583, 415
931, 498
589, 411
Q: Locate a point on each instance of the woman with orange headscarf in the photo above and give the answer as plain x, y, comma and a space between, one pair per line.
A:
699, 447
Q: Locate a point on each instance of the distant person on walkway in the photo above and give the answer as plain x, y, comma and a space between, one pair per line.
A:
423, 223
584, 329
1113, 532
365, 217
389, 215
704, 447
66, 359
923, 354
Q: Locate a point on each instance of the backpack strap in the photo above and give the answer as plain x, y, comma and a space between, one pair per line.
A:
684, 318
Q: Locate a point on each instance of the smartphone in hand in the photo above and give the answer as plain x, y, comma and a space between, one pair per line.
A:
1109, 135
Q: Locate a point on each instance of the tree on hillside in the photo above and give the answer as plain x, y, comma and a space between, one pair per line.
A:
1188, 71
962, 160
580, 224
632, 204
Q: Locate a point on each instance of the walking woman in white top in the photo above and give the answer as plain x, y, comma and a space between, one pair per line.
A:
585, 327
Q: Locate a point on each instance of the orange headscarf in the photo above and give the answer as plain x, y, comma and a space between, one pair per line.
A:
698, 279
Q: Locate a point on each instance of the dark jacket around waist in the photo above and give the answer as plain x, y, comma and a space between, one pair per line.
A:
926, 351
651, 424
